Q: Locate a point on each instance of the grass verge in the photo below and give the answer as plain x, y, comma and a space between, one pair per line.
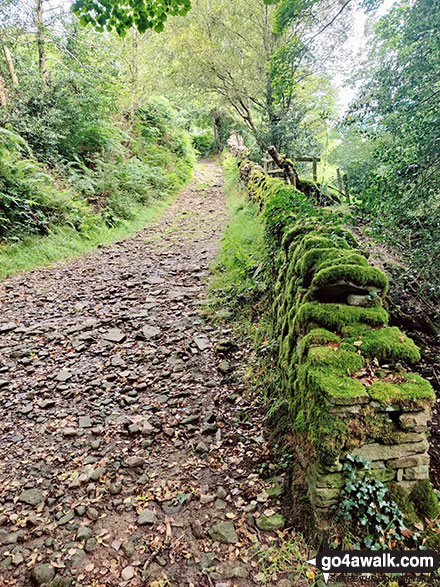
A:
64, 242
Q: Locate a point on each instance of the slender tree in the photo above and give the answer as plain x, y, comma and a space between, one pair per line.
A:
9, 62
41, 40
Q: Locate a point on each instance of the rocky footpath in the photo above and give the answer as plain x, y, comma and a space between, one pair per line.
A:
129, 449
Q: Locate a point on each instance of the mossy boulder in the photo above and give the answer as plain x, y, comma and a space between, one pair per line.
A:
424, 499
316, 337
339, 281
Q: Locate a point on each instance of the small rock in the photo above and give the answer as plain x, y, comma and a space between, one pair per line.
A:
31, 496
224, 532
221, 493
134, 462
114, 335
80, 510
18, 559
147, 428
96, 474
150, 332
84, 533
7, 327
268, 523
201, 447
115, 488
128, 548
238, 572
204, 499
127, 573
225, 346
78, 559
66, 518
92, 513
84, 422
90, 544
224, 367
146, 517
42, 574
64, 375
190, 419
201, 342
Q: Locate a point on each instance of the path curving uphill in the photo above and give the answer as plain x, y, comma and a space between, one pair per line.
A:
125, 458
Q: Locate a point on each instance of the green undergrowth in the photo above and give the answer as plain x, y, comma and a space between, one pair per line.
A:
64, 242
240, 267
63, 197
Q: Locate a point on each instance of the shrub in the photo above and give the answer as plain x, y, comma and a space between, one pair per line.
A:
30, 200
203, 142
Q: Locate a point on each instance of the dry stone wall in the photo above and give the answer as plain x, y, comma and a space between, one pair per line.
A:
348, 375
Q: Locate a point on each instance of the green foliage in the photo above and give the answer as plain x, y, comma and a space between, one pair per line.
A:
124, 14
106, 186
30, 200
390, 151
203, 141
365, 503
64, 120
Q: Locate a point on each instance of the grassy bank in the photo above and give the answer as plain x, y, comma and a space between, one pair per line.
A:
53, 210
242, 248
64, 242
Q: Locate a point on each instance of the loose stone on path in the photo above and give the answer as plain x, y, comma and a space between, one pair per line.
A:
131, 449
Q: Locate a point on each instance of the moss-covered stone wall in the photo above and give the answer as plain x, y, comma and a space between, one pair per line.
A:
347, 374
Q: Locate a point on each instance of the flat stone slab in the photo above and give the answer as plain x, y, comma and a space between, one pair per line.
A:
114, 335
385, 452
146, 517
31, 496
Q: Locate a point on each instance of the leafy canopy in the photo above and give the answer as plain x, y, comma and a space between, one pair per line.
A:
122, 15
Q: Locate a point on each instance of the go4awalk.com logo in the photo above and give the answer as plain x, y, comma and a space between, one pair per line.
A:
374, 561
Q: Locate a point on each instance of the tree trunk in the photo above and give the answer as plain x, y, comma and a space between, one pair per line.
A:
215, 127
40, 41
285, 164
10, 63
134, 80
3, 99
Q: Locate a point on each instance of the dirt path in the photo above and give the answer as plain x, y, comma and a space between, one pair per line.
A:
125, 435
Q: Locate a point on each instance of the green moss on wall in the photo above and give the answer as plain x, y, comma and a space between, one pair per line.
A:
388, 344
337, 317
331, 328
407, 389
346, 361
316, 337
366, 277
425, 500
